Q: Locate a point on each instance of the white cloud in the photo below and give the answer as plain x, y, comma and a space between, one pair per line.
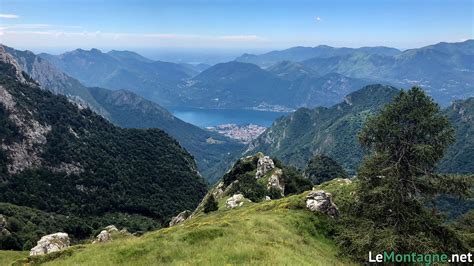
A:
8, 16
318, 19
27, 26
52, 37
242, 38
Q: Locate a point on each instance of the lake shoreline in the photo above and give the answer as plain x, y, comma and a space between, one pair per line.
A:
211, 117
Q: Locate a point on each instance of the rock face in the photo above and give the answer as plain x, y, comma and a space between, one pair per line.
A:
3, 226
321, 201
274, 181
181, 217
23, 154
236, 200
264, 165
51, 243
9, 59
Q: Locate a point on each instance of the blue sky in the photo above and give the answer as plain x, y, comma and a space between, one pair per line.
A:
247, 25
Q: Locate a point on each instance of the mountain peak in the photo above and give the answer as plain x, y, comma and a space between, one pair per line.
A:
13, 68
370, 95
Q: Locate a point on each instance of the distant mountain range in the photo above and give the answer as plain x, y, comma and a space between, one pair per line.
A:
298, 137
244, 85
291, 78
127, 109
444, 70
154, 80
300, 53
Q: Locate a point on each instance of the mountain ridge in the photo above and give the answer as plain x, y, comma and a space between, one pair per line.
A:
332, 131
129, 110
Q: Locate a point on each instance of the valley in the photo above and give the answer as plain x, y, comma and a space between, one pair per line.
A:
143, 142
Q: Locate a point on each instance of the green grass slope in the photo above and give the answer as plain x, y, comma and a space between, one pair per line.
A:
277, 232
7, 257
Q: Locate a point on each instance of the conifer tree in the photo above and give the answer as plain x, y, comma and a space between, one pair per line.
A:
211, 204
398, 179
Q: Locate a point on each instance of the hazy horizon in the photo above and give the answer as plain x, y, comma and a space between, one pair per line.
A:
243, 26
193, 56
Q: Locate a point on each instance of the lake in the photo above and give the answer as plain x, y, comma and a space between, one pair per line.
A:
212, 117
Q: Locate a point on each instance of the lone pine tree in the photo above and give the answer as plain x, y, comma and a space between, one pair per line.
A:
398, 180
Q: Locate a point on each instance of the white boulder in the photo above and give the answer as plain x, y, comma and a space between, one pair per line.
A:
321, 201
51, 243
106, 234
103, 237
236, 200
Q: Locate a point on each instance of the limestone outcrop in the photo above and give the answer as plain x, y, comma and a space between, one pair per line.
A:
321, 201
264, 165
181, 217
236, 200
51, 243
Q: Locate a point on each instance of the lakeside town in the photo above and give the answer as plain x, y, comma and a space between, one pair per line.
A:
242, 133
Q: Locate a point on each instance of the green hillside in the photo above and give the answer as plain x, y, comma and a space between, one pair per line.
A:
295, 139
277, 232
459, 157
129, 110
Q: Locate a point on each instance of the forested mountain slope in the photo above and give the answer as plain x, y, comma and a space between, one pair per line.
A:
58, 157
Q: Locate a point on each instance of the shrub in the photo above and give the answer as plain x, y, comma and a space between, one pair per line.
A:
211, 204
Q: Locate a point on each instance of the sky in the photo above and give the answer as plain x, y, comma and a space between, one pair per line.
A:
220, 26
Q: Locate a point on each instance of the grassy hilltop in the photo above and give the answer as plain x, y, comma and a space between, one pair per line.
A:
276, 232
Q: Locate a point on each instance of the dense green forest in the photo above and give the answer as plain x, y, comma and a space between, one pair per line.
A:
27, 225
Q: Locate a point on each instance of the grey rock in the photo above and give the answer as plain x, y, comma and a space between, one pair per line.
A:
181, 217
219, 190
51, 243
3, 226
275, 182
236, 200
103, 237
111, 228
321, 201
264, 165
